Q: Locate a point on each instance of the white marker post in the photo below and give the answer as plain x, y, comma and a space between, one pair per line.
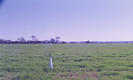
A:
50, 61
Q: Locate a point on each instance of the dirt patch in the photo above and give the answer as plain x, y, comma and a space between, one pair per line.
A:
77, 76
9, 76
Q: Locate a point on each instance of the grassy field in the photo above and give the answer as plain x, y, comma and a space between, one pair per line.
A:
71, 62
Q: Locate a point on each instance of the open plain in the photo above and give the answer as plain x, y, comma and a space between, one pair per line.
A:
70, 61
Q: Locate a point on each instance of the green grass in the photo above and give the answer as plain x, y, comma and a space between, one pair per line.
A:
71, 62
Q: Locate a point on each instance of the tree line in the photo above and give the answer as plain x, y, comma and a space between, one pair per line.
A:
34, 40
56, 40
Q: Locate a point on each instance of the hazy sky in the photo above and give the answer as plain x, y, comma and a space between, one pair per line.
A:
72, 20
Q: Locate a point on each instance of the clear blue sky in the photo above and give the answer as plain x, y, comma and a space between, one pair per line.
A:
72, 20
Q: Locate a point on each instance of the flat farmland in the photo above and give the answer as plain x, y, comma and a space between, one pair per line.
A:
70, 61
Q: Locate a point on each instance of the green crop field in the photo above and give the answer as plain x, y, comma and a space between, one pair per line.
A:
71, 62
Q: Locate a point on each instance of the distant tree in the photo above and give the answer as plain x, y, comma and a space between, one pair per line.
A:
87, 41
2, 40
34, 38
8, 41
45, 41
21, 39
57, 39
52, 40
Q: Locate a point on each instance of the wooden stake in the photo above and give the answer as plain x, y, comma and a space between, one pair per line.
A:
50, 61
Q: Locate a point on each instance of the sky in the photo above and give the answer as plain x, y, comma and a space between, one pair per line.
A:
72, 20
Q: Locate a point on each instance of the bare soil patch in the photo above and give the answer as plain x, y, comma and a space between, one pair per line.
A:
77, 76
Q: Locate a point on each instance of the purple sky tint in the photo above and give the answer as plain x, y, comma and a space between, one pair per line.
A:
73, 20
